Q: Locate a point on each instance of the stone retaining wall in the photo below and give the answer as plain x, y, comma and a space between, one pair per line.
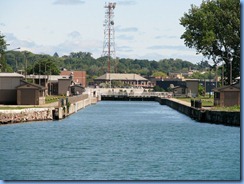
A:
24, 115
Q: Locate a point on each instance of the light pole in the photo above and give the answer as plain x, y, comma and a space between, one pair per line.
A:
230, 58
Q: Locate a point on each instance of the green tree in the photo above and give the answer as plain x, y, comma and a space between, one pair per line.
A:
45, 66
158, 89
3, 64
213, 29
159, 74
201, 90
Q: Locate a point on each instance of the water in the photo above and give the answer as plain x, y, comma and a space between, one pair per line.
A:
120, 141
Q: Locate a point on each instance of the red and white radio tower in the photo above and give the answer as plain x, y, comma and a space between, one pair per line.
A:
108, 42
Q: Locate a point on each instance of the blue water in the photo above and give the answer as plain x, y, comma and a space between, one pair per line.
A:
120, 141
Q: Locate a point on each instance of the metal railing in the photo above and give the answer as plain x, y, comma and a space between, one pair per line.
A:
143, 94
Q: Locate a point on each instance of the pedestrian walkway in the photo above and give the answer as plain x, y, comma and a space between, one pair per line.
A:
180, 101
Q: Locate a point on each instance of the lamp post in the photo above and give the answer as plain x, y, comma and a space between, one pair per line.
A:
230, 58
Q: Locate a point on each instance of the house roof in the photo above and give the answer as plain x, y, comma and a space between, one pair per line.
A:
31, 84
226, 88
184, 87
121, 76
11, 75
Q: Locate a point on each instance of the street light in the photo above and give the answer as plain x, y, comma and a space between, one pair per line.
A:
230, 58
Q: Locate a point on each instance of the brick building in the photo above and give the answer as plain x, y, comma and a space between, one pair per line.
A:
79, 77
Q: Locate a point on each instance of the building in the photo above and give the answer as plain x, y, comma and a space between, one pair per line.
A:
30, 94
227, 95
188, 87
209, 85
132, 80
8, 87
179, 91
79, 77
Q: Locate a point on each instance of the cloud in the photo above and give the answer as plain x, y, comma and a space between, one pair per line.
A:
124, 37
16, 43
126, 3
73, 43
74, 34
68, 2
127, 29
124, 49
159, 47
165, 36
2, 24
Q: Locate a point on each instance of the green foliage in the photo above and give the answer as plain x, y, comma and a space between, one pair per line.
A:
213, 29
3, 64
159, 74
158, 89
229, 109
201, 90
45, 64
205, 75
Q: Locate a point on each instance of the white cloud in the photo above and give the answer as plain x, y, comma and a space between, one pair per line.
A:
166, 36
124, 49
124, 37
126, 29
68, 2
174, 47
74, 35
126, 3
71, 44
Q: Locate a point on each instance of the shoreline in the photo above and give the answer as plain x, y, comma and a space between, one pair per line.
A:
54, 111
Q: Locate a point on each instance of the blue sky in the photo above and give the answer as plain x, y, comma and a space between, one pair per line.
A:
144, 29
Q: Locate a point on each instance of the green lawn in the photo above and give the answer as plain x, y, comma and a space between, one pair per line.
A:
206, 101
235, 108
52, 98
209, 102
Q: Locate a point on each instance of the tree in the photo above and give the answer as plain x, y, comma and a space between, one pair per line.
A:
158, 89
201, 90
3, 64
159, 74
45, 66
213, 29
55, 55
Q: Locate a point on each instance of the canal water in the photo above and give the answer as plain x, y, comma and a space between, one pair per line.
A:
120, 141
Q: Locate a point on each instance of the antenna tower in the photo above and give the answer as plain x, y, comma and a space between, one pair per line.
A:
108, 42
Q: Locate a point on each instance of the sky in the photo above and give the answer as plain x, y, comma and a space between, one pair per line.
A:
144, 29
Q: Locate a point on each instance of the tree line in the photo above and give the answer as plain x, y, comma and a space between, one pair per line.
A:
46, 64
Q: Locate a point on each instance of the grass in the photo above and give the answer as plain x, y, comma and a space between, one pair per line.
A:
17, 107
235, 108
206, 101
52, 98
209, 102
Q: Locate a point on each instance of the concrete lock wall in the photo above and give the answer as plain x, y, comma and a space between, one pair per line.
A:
75, 104
202, 115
